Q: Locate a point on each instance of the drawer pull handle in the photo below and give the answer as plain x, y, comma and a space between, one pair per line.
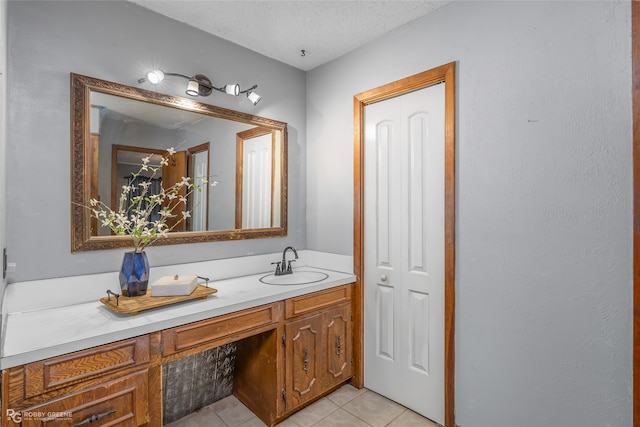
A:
306, 360
339, 346
93, 418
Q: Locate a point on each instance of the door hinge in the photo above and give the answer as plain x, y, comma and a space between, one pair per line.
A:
284, 341
352, 360
4, 263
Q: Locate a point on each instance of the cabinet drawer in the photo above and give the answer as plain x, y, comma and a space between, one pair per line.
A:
122, 403
317, 300
229, 326
57, 372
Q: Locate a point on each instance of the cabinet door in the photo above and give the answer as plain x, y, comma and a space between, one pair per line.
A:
337, 346
302, 370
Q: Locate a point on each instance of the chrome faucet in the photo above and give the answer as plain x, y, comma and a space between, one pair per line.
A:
284, 266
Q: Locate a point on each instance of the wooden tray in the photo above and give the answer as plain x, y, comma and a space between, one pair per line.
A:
134, 305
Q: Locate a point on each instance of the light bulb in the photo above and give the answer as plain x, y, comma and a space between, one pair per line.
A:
155, 77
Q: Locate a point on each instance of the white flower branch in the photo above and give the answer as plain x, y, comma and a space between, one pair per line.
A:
135, 220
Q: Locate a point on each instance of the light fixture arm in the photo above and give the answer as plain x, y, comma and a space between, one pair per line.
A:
252, 88
145, 78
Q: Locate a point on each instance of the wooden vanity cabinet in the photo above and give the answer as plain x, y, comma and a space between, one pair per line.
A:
317, 345
289, 353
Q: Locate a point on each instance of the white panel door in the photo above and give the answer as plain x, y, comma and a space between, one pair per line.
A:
256, 182
404, 250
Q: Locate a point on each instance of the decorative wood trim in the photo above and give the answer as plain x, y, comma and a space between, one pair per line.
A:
446, 74
635, 92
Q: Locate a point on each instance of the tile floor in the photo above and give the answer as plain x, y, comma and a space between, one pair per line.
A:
347, 406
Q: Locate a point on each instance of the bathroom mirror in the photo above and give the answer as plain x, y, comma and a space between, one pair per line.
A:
113, 126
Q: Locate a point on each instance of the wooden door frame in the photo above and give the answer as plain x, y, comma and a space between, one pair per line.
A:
191, 152
446, 74
635, 94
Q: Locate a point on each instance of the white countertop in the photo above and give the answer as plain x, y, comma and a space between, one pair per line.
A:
39, 334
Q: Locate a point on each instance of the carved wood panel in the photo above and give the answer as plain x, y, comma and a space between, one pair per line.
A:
302, 370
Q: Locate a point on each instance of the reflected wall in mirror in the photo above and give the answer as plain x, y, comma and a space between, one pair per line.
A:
114, 126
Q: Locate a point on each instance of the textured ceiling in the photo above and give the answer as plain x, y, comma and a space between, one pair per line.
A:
280, 29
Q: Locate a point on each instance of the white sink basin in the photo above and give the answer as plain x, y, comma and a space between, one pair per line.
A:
296, 278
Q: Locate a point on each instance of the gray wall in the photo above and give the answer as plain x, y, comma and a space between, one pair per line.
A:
119, 42
543, 199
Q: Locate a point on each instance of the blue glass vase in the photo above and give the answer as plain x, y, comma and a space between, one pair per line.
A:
134, 274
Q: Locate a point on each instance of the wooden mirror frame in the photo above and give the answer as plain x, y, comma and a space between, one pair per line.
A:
81, 173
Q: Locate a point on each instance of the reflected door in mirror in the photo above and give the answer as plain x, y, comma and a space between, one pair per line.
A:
257, 179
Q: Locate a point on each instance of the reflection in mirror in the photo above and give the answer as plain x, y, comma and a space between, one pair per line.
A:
198, 168
126, 161
114, 126
257, 179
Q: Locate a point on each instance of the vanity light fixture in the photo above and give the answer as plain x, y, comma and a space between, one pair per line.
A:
200, 85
